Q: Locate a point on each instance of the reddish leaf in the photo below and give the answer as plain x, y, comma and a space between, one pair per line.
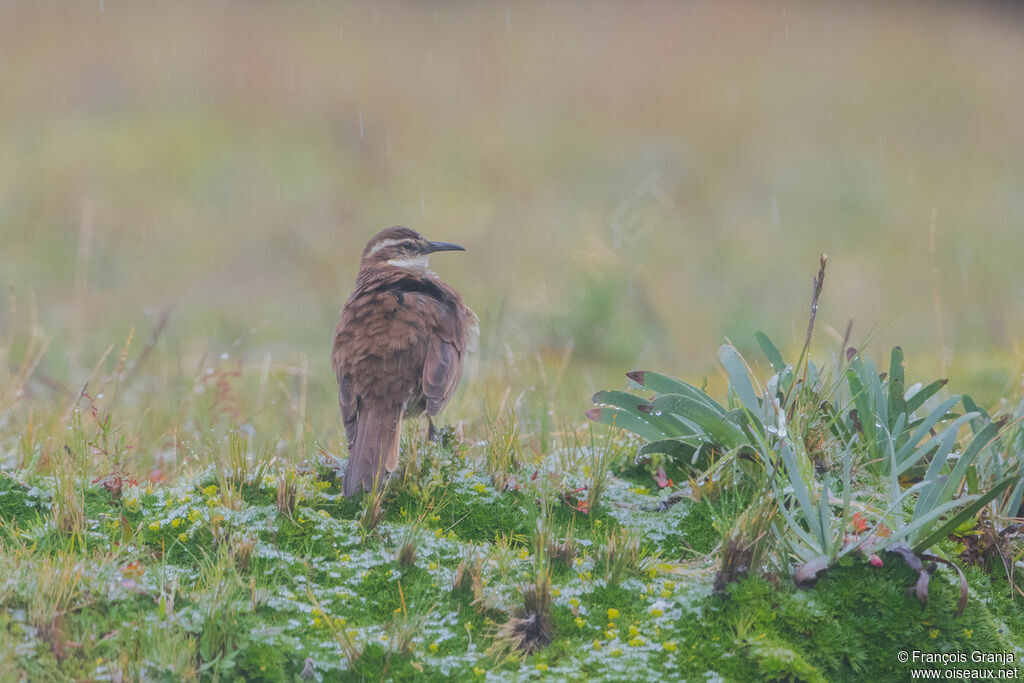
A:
661, 478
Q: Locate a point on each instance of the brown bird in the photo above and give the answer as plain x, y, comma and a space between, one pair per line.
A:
398, 349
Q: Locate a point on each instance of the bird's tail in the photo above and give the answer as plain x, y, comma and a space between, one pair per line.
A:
375, 451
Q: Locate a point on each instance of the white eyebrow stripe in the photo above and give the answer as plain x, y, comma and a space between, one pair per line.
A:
384, 243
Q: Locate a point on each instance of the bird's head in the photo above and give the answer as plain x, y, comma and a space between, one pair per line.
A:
402, 248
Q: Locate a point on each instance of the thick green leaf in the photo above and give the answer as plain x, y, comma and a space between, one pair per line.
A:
770, 351
971, 407
962, 516
739, 380
803, 496
897, 405
980, 441
663, 384
625, 420
933, 495
622, 399
917, 400
685, 451
641, 407
865, 412
906, 455
710, 422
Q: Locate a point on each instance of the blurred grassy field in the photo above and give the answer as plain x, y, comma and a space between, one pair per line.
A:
633, 183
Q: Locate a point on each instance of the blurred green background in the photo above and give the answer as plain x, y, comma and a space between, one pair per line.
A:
634, 182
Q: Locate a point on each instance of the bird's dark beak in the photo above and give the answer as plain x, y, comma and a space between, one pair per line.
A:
441, 246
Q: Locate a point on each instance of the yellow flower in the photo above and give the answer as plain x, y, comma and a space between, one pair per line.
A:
524, 554
154, 526
176, 522
616, 652
210, 490
182, 537
541, 666
597, 644
934, 633
345, 558
432, 566
579, 622
194, 515
316, 621
574, 602
968, 632
437, 533
669, 645
479, 670
666, 593
479, 488
613, 614
656, 612
323, 485
323, 513
433, 647
633, 630
555, 592
636, 641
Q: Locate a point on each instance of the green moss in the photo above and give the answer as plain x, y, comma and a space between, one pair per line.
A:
697, 528
473, 520
262, 662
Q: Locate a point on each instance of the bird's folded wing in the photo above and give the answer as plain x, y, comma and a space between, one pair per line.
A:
349, 404
442, 369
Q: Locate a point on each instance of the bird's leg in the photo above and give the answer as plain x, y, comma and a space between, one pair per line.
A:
432, 433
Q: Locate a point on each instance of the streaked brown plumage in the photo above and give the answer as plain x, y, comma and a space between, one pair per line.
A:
398, 349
